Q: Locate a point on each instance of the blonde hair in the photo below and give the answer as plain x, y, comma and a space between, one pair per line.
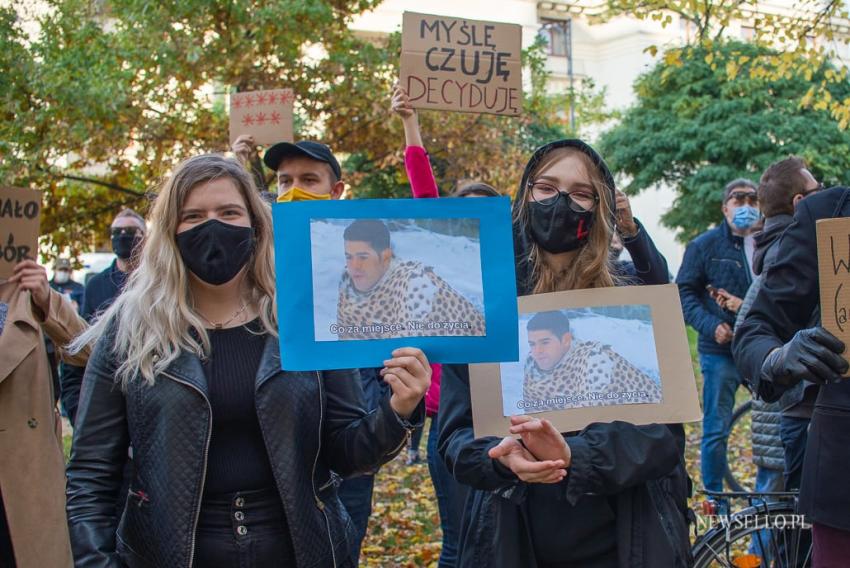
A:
591, 267
153, 318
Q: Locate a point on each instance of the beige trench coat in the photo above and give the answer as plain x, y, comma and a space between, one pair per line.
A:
32, 466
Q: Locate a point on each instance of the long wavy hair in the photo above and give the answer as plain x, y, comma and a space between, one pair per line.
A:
591, 267
153, 318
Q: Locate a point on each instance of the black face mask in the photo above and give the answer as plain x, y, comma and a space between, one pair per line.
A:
123, 245
215, 252
557, 228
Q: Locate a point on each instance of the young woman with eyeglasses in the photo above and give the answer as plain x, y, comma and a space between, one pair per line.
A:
612, 495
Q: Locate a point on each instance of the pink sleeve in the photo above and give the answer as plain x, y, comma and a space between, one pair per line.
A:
432, 397
419, 172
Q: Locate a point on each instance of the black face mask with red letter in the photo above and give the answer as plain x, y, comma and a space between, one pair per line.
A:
557, 228
214, 251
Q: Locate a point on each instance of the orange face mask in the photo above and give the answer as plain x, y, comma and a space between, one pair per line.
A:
298, 194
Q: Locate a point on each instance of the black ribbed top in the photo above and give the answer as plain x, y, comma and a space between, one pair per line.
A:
238, 460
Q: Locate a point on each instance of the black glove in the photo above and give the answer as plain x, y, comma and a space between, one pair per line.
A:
812, 354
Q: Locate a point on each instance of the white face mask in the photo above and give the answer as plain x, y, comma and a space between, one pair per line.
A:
61, 276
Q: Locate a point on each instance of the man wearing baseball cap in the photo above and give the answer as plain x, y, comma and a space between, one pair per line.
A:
305, 170
308, 170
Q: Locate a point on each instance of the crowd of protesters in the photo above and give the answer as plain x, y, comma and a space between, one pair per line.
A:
193, 448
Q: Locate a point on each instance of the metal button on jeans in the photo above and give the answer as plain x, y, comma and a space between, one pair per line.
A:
239, 502
242, 530
239, 516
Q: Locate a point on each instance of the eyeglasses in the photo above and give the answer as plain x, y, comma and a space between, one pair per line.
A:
580, 200
120, 231
741, 196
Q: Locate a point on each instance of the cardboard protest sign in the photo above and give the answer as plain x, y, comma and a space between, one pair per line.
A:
834, 273
592, 356
461, 65
265, 115
20, 215
357, 279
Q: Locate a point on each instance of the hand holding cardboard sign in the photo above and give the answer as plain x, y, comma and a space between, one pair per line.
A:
401, 103
245, 149
525, 466
33, 278
542, 439
409, 375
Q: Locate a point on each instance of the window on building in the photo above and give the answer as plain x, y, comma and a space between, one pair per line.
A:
748, 33
555, 33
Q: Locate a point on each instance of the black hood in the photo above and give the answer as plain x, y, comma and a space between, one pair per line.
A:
764, 241
522, 237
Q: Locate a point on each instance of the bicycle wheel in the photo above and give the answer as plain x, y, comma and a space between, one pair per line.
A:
776, 527
739, 430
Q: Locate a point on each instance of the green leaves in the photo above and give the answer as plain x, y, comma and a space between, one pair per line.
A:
709, 115
101, 103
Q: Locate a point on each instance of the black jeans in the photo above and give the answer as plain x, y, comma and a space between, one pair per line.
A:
7, 555
356, 496
246, 529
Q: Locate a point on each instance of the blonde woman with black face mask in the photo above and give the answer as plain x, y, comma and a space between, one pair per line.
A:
235, 461
611, 496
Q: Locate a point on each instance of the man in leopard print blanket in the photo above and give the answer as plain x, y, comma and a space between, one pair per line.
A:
381, 296
561, 372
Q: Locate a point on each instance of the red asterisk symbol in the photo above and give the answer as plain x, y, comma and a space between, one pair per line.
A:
275, 119
237, 101
248, 120
261, 99
249, 101
272, 98
261, 118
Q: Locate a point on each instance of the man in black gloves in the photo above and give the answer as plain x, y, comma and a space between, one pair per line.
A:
777, 347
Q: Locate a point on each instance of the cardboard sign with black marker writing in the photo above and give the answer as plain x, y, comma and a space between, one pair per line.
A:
20, 215
461, 65
834, 273
265, 115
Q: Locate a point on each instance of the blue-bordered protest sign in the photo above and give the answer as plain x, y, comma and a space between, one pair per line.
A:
357, 279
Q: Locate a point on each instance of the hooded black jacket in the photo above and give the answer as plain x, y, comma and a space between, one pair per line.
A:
786, 303
640, 469
648, 265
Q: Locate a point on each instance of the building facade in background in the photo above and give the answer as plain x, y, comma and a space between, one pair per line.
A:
613, 54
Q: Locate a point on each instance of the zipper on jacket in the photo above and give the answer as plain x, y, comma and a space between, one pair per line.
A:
404, 441
319, 502
747, 266
204, 472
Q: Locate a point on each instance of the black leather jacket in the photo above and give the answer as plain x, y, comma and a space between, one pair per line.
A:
313, 423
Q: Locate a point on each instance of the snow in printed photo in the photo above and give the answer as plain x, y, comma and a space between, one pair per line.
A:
449, 247
626, 330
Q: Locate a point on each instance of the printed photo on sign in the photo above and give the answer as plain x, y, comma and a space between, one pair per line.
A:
588, 356
373, 279
358, 278
573, 358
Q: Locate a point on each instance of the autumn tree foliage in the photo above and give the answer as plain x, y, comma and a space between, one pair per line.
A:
101, 99
703, 118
